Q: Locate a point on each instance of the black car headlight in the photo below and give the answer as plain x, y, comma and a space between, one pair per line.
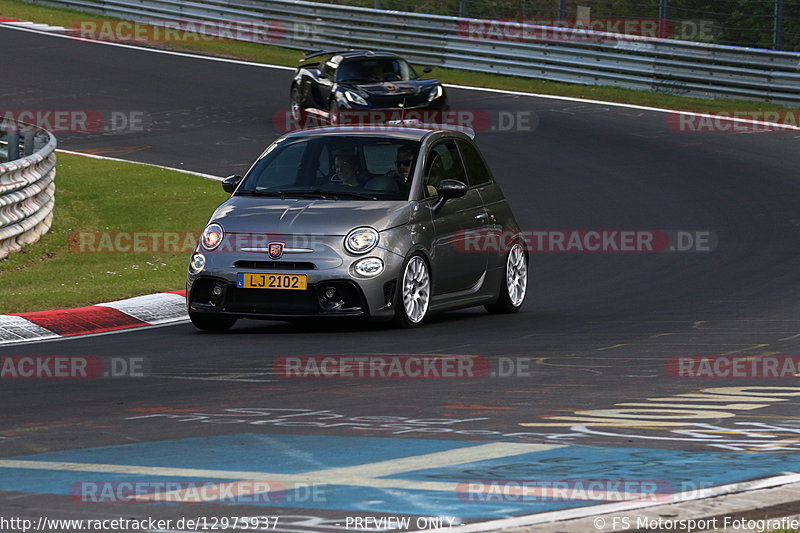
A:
354, 98
436, 92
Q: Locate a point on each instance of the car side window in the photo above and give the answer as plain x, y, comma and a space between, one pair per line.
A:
443, 162
477, 171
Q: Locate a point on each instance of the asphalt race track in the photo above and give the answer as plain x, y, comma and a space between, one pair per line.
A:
595, 335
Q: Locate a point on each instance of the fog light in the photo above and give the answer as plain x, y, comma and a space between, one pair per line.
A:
329, 299
197, 263
217, 294
368, 267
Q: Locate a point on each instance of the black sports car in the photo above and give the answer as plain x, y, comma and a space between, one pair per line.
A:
327, 83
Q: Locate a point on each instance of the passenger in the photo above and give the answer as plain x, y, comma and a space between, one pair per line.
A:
349, 170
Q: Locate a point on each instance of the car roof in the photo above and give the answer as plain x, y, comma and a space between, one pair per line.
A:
414, 132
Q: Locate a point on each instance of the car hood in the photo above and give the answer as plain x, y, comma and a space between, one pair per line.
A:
396, 88
247, 214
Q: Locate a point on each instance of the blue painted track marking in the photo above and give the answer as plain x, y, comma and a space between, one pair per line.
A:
283, 454
383, 475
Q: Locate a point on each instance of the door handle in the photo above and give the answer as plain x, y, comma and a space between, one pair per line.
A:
483, 217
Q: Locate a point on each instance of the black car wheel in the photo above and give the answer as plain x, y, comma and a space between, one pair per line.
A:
514, 283
211, 322
414, 293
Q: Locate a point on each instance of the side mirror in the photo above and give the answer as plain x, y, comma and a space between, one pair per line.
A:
230, 183
322, 76
449, 189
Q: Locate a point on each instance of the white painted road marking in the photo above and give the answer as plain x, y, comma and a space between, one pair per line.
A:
370, 475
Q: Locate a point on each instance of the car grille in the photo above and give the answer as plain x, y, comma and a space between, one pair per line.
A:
394, 100
271, 301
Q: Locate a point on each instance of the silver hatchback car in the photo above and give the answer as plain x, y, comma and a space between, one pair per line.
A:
391, 222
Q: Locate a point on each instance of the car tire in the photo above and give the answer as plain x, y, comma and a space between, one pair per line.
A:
211, 322
413, 293
514, 284
296, 104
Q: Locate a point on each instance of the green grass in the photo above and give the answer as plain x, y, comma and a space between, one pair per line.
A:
96, 195
283, 56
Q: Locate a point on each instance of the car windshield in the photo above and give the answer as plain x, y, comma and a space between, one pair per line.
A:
334, 167
375, 70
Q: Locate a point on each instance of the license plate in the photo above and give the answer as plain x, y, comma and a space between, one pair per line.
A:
296, 282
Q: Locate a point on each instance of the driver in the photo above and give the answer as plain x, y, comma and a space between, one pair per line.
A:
406, 154
349, 170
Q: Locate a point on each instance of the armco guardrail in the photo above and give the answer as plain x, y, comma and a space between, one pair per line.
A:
27, 189
567, 55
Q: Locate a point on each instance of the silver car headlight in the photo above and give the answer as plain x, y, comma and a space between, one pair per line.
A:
197, 263
212, 236
354, 98
436, 92
368, 267
361, 240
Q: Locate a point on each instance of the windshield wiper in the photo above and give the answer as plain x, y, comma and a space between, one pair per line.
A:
305, 192
260, 193
328, 194
355, 194
310, 193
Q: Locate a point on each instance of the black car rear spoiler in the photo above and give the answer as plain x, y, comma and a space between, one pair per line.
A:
316, 53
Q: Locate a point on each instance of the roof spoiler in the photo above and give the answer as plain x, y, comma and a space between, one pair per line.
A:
316, 53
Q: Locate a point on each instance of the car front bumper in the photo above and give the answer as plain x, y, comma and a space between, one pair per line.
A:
214, 289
